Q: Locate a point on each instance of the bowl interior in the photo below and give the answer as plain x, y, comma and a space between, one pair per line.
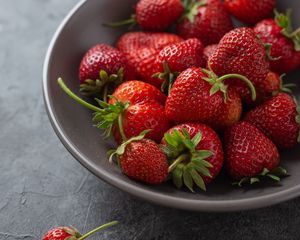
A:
82, 29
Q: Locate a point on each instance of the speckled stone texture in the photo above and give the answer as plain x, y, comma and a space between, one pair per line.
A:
42, 186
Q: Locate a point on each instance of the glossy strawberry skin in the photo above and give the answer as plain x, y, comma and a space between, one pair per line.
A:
180, 56
190, 99
140, 117
248, 151
230, 112
282, 47
157, 15
137, 92
276, 118
58, 233
210, 141
103, 57
141, 50
241, 52
210, 24
209, 51
250, 11
145, 162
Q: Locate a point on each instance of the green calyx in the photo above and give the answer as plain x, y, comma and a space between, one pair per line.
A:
168, 77
188, 165
131, 22
103, 85
268, 48
191, 9
298, 118
121, 149
274, 175
284, 87
284, 21
218, 85
105, 116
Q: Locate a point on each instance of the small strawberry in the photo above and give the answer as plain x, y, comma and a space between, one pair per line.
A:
141, 50
285, 44
178, 57
240, 51
209, 51
142, 160
278, 119
230, 112
154, 15
199, 96
71, 233
126, 120
101, 67
137, 92
250, 11
134, 41
196, 154
250, 155
206, 20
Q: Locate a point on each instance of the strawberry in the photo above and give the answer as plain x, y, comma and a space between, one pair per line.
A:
137, 92
142, 160
176, 58
126, 120
134, 41
285, 44
230, 112
250, 11
206, 20
241, 52
195, 153
141, 50
250, 155
209, 51
154, 15
71, 233
101, 67
199, 96
278, 119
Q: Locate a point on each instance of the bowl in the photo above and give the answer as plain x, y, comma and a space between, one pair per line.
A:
81, 29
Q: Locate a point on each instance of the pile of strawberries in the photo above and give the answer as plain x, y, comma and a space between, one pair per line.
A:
183, 105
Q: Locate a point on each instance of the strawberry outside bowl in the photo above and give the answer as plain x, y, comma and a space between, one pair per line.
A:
81, 29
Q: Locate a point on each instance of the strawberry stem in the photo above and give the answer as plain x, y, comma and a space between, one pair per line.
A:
98, 229
243, 78
179, 160
131, 21
75, 97
121, 129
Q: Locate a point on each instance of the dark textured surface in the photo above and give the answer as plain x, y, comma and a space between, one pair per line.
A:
42, 186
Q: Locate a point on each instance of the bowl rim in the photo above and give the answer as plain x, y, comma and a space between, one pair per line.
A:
140, 192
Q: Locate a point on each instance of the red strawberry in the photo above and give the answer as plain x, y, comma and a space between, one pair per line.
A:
241, 52
142, 160
101, 66
209, 51
137, 92
177, 57
141, 50
285, 44
70, 233
207, 20
250, 155
196, 154
124, 119
134, 41
250, 11
278, 119
230, 112
198, 96
154, 15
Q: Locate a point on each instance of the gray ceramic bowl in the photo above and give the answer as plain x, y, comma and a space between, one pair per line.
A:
80, 30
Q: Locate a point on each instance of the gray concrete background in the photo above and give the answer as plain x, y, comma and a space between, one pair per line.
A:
42, 186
